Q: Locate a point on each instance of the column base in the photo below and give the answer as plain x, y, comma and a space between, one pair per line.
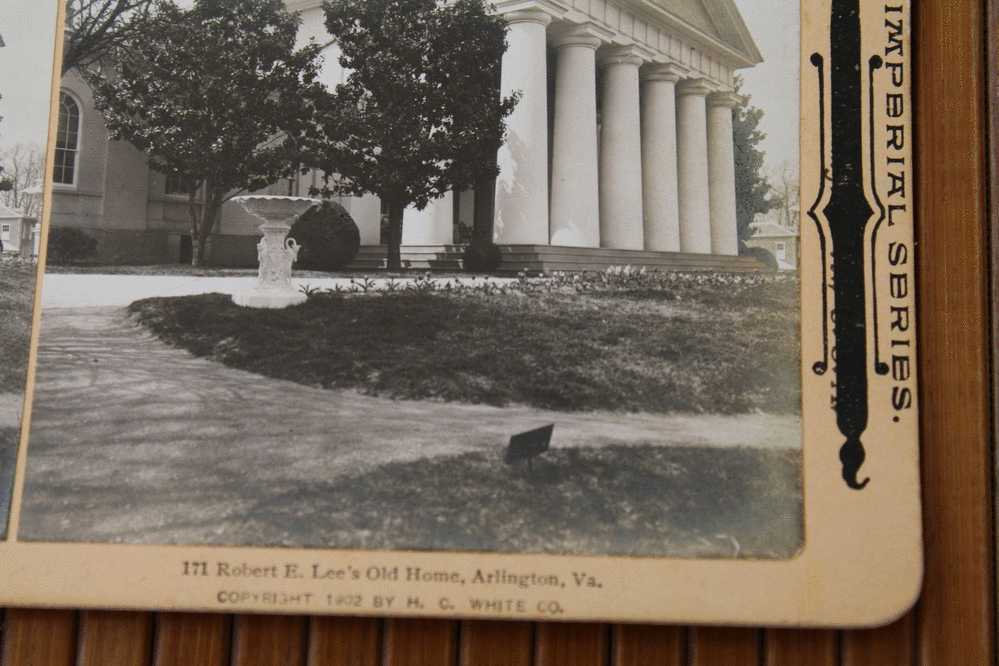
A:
270, 299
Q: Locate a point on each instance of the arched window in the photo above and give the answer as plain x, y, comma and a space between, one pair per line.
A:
67, 146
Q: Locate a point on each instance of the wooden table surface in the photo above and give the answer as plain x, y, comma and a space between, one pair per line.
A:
955, 620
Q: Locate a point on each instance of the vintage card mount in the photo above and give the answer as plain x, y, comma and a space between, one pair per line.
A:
152, 474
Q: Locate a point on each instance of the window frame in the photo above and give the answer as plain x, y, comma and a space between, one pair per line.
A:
57, 184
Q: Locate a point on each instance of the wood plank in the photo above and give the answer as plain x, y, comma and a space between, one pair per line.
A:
39, 637
113, 638
189, 639
344, 640
496, 644
420, 643
955, 617
269, 640
649, 646
894, 644
711, 646
559, 644
788, 647
993, 92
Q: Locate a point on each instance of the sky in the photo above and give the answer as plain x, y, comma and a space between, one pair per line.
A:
774, 84
28, 27
28, 30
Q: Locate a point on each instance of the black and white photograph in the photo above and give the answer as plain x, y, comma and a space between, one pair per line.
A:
25, 86
408, 275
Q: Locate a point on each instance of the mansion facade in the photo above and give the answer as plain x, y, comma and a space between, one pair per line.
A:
620, 150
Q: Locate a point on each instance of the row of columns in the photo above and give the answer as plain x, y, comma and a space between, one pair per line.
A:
661, 174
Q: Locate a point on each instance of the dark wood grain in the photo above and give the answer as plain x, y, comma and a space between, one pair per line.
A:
786, 647
955, 616
345, 641
649, 646
109, 638
894, 644
39, 637
572, 645
710, 646
187, 639
992, 102
269, 640
420, 643
496, 644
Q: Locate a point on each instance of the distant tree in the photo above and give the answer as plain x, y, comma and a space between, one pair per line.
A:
419, 113
752, 190
21, 168
786, 196
95, 28
216, 95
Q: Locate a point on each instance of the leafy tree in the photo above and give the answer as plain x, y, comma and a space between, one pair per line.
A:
752, 190
216, 95
95, 28
419, 113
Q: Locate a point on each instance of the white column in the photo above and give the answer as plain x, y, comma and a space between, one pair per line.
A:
621, 223
434, 225
721, 163
522, 185
367, 214
659, 168
575, 205
692, 161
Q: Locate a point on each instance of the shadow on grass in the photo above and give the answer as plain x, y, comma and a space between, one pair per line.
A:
630, 501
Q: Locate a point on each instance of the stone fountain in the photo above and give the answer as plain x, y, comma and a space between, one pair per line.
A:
276, 253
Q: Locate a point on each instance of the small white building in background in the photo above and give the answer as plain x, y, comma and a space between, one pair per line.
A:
19, 233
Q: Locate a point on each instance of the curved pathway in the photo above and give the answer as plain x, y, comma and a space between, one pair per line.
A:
136, 441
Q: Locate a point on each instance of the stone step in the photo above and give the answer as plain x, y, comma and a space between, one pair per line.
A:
544, 258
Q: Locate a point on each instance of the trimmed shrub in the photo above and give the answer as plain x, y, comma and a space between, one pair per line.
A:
763, 256
329, 238
69, 245
482, 257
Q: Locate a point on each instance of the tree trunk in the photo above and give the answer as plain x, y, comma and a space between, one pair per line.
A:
210, 215
395, 237
194, 213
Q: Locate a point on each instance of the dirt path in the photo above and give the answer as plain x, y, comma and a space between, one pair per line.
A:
136, 441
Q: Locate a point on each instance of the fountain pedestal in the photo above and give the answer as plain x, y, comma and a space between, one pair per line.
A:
276, 253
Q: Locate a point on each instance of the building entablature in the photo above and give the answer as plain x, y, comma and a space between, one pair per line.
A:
661, 35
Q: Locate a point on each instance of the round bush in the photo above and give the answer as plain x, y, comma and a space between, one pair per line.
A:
69, 245
482, 257
763, 256
329, 238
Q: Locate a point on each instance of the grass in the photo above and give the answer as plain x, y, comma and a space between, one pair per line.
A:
691, 348
17, 293
633, 500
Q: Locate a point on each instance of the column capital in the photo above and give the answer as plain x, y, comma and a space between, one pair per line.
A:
582, 34
699, 87
622, 55
671, 72
529, 15
726, 98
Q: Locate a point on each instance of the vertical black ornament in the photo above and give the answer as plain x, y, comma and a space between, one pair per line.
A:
848, 214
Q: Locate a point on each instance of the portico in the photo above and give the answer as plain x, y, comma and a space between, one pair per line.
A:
645, 161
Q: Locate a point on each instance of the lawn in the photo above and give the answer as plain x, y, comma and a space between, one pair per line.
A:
17, 293
615, 500
698, 344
